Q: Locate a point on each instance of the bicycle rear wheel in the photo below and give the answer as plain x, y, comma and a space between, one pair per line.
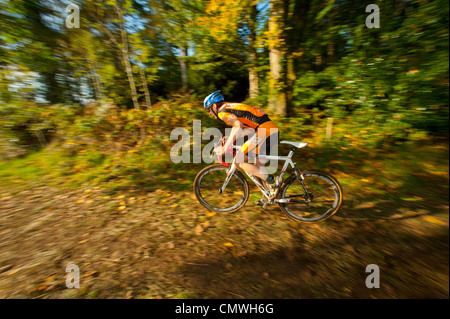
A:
323, 200
210, 180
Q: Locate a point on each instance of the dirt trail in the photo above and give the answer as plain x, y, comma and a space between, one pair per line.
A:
161, 245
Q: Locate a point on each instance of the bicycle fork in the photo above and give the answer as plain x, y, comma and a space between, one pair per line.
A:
230, 173
308, 196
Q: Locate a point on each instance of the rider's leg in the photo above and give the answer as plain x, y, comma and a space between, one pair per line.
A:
260, 143
256, 169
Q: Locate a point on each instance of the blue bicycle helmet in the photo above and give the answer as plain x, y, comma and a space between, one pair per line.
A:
213, 98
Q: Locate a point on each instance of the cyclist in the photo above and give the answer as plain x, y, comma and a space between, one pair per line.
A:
240, 116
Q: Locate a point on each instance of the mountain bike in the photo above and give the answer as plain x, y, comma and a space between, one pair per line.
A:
305, 196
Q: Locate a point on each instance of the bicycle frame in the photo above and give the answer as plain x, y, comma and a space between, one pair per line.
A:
266, 193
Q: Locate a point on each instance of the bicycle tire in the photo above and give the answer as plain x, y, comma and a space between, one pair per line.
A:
321, 185
209, 195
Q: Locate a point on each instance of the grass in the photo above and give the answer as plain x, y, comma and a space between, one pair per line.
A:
397, 173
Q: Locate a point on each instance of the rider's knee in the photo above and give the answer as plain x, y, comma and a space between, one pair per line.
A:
261, 162
239, 159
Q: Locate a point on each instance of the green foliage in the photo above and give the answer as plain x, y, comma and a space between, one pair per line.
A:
392, 80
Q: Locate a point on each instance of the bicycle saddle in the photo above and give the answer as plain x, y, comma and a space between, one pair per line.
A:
295, 144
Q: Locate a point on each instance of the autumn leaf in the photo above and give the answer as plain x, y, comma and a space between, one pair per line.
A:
128, 295
90, 273
365, 205
198, 229
228, 245
434, 220
412, 199
13, 272
205, 224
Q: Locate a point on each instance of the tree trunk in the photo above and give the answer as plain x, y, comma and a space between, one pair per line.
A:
330, 45
290, 81
253, 71
98, 90
129, 71
145, 87
295, 26
277, 97
123, 48
253, 83
5, 94
126, 59
183, 67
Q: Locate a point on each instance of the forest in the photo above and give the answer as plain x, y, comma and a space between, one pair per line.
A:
90, 92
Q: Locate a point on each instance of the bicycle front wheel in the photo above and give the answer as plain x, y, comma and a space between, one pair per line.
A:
321, 200
208, 183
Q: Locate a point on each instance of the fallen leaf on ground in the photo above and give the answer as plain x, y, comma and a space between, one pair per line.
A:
434, 220
198, 229
365, 205
90, 273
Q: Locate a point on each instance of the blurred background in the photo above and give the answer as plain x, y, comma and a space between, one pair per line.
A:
91, 90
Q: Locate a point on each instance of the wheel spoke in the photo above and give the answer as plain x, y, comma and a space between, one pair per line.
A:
207, 189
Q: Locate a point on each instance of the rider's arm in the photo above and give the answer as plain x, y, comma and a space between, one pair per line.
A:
235, 131
245, 132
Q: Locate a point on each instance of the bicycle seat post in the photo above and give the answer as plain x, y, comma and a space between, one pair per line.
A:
292, 151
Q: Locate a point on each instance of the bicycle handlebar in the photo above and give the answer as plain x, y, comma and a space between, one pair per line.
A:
216, 145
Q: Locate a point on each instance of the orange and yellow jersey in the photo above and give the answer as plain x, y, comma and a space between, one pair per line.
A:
249, 116
266, 131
